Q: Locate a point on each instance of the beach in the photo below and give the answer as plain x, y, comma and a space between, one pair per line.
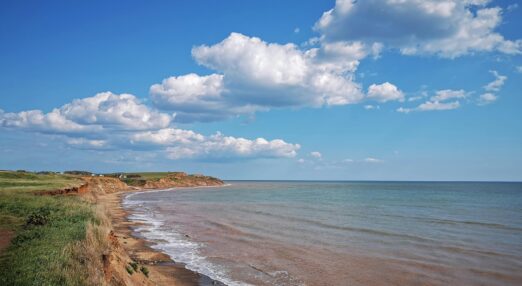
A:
163, 270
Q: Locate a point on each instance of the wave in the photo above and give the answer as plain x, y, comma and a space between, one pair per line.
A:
173, 243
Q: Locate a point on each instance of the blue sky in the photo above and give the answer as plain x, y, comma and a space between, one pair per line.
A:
368, 90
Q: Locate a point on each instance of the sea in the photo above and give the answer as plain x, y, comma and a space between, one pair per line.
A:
339, 233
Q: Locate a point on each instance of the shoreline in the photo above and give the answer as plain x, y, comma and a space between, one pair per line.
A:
163, 269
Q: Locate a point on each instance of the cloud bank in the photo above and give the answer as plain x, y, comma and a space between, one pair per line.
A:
447, 28
111, 121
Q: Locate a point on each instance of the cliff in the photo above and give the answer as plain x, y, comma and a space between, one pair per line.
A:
164, 180
181, 179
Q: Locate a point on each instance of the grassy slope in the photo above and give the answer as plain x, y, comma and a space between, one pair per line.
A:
48, 253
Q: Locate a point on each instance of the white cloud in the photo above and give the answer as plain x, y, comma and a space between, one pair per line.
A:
415, 98
36, 120
297, 30
436, 105
109, 121
385, 92
316, 155
253, 75
519, 69
187, 144
218, 146
270, 74
404, 110
167, 136
87, 143
486, 98
497, 83
448, 28
370, 107
114, 111
446, 94
431, 106
195, 98
92, 114
372, 160
254, 60
439, 101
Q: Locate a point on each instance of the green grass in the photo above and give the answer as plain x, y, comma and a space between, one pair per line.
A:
141, 178
47, 228
31, 182
143, 175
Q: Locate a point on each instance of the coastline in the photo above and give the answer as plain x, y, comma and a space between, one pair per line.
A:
163, 270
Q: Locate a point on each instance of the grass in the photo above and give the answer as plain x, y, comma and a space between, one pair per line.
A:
31, 182
57, 238
141, 178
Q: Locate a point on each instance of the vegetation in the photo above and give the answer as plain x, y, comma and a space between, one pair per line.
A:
55, 236
171, 179
134, 265
129, 269
140, 179
145, 271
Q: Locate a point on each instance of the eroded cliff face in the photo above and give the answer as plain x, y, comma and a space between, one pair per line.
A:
105, 185
181, 179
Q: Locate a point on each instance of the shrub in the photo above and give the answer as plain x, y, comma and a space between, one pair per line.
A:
39, 217
134, 265
145, 271
129, 269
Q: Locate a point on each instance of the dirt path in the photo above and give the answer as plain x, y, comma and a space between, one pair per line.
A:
5, 238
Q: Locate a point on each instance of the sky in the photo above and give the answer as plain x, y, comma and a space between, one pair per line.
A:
314, 90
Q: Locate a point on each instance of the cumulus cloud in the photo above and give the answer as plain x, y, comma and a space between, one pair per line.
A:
252, 67
109, 121
448, 28
385, 92
104, 111
167, 136
219, 146
194, 97
253, 75
36, 120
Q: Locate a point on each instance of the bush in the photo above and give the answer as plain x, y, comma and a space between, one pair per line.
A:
145, 271
134, 265
39, 217
129, 269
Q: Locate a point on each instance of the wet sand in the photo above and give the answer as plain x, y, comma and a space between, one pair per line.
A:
163, 270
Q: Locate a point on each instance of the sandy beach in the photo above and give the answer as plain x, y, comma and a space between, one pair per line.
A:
163, 270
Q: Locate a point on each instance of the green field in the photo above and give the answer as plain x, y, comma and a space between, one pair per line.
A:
48, 246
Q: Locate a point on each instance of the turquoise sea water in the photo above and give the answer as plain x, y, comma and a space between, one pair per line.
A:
340, 233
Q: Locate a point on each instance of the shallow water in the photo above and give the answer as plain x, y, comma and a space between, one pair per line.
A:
340, 233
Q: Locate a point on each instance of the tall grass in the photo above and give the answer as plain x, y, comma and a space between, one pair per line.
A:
58, 240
